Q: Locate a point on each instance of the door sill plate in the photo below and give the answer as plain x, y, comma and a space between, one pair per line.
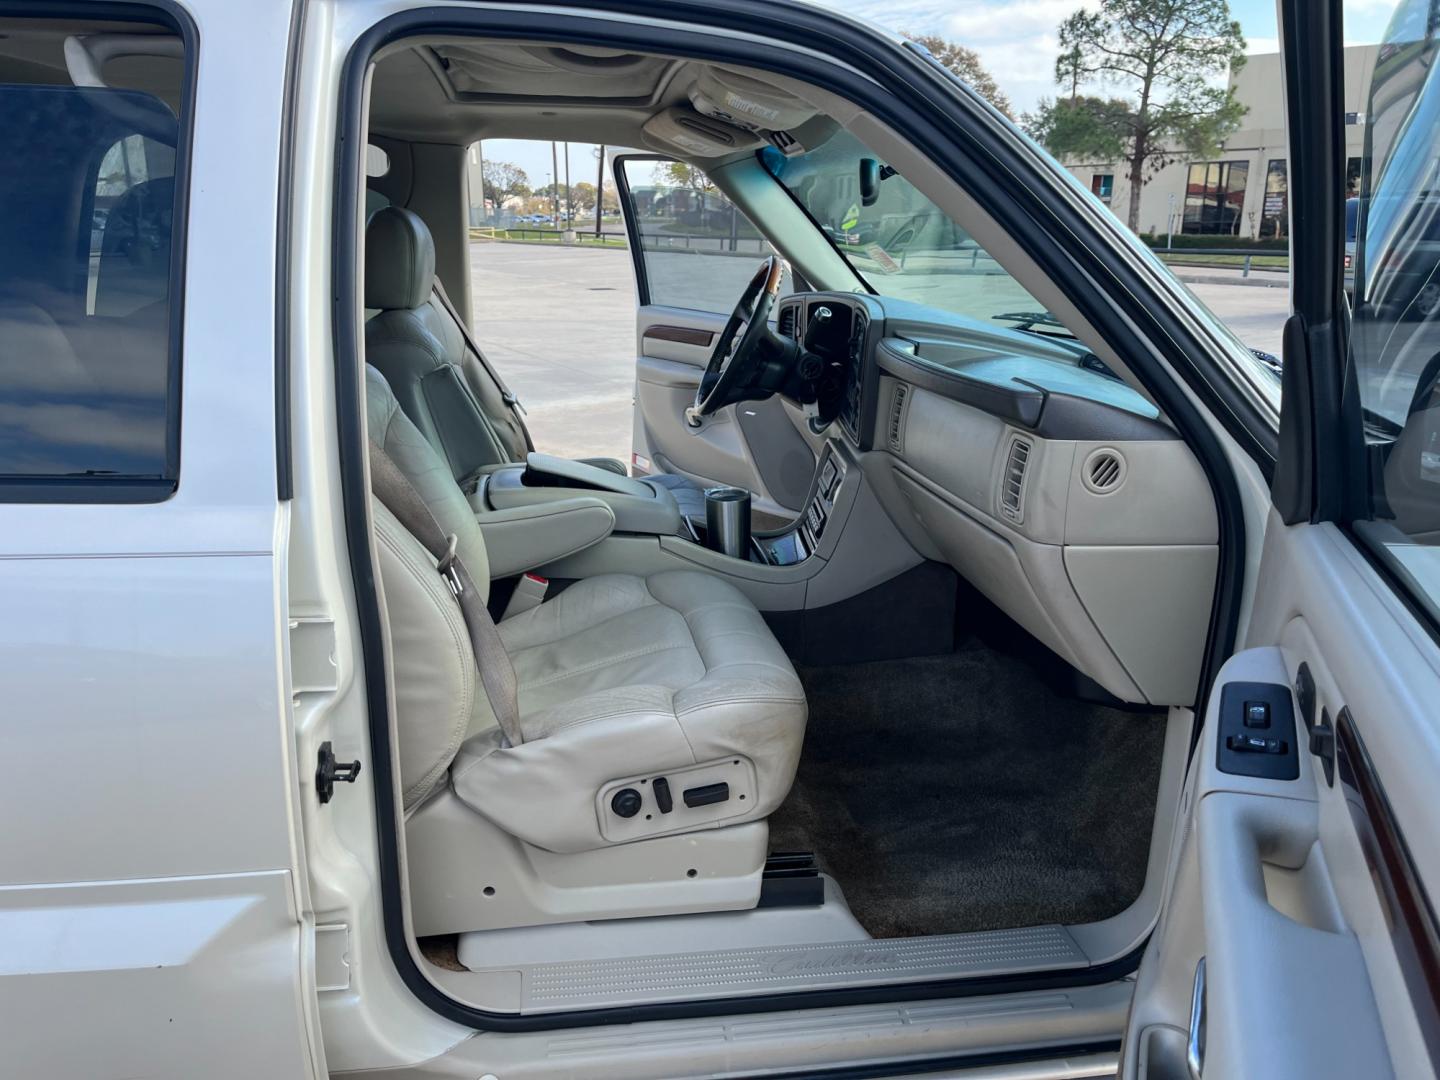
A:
602, 983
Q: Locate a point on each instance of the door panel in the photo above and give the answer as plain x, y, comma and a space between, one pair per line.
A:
1278, 884
694, 252
753, 445
1304, 904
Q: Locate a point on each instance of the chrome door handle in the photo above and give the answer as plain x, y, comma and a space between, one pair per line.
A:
1195, 1045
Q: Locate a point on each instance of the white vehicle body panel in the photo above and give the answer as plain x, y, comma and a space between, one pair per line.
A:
150, 893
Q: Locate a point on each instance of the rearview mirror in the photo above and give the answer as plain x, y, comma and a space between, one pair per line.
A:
869, 181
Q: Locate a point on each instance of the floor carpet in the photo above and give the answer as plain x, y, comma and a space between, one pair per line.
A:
960, 792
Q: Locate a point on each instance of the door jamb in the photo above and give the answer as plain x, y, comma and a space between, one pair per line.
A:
910, 96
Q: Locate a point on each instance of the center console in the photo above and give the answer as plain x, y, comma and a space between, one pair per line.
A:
523, 507
804, 537
638, 507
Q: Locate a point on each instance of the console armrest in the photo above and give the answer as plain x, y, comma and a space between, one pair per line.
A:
546, 470
638, 508
524, 537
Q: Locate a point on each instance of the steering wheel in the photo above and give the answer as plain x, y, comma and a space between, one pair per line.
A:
737, 354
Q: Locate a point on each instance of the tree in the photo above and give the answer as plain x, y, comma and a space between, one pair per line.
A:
1167, 54
583, 195
502, 180
683, 175
965, 63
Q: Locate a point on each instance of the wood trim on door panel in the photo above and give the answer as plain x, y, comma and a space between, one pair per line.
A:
683, 335
1414, 932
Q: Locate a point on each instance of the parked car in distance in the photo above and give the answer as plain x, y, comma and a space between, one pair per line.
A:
1402, 269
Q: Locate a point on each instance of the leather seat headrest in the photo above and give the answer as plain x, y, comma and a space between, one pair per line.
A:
134, 268
399, 260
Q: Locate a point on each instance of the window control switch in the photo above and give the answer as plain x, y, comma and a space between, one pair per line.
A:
1256, 744
1256, 734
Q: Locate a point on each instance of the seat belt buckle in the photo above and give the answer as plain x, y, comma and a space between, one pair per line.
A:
446, 566
514, 402
529, 593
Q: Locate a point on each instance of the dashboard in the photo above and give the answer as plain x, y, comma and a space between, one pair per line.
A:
1010, 373
1055, 489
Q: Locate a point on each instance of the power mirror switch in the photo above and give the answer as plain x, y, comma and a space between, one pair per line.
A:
1257, 714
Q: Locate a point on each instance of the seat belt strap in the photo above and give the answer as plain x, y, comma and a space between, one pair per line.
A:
516, 409
497, 675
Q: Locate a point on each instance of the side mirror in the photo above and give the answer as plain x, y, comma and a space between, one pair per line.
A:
869, 181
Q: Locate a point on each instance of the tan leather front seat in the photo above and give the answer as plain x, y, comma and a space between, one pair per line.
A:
648, 706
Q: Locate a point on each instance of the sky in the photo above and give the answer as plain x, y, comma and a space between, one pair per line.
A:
1016, 41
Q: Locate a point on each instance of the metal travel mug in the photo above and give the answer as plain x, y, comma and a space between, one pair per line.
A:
727, 521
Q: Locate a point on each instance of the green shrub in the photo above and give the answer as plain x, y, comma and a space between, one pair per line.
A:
1231, 243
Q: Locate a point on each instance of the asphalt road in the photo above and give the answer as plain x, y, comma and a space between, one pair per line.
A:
559, 325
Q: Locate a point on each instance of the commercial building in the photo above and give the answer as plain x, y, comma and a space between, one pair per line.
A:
1242, 191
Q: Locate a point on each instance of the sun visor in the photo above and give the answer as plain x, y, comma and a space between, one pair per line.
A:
684, 130
747, 102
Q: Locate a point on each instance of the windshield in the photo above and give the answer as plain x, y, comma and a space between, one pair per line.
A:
902, 245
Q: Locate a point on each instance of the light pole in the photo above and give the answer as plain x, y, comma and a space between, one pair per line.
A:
567, 185
555, 184
599, 187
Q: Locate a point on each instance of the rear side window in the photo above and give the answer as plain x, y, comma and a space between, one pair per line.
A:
88, 241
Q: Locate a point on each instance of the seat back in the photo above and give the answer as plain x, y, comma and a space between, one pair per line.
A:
421, 351
438, 697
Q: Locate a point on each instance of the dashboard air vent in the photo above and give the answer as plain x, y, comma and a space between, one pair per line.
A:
786, 321
1103, 471
899, 402
1012, 485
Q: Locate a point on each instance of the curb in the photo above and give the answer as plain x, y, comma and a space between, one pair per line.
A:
1250, 282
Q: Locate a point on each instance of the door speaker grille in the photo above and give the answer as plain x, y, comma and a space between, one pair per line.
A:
1104, 471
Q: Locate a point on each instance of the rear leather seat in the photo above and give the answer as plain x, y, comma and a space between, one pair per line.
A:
622, 680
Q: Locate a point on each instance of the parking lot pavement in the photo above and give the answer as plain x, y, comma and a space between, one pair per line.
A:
559, 325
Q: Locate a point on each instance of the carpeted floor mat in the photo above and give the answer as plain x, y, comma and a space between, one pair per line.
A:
959, 792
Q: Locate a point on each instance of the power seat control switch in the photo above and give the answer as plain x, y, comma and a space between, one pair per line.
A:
705, 796
626, 802
1257, 731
